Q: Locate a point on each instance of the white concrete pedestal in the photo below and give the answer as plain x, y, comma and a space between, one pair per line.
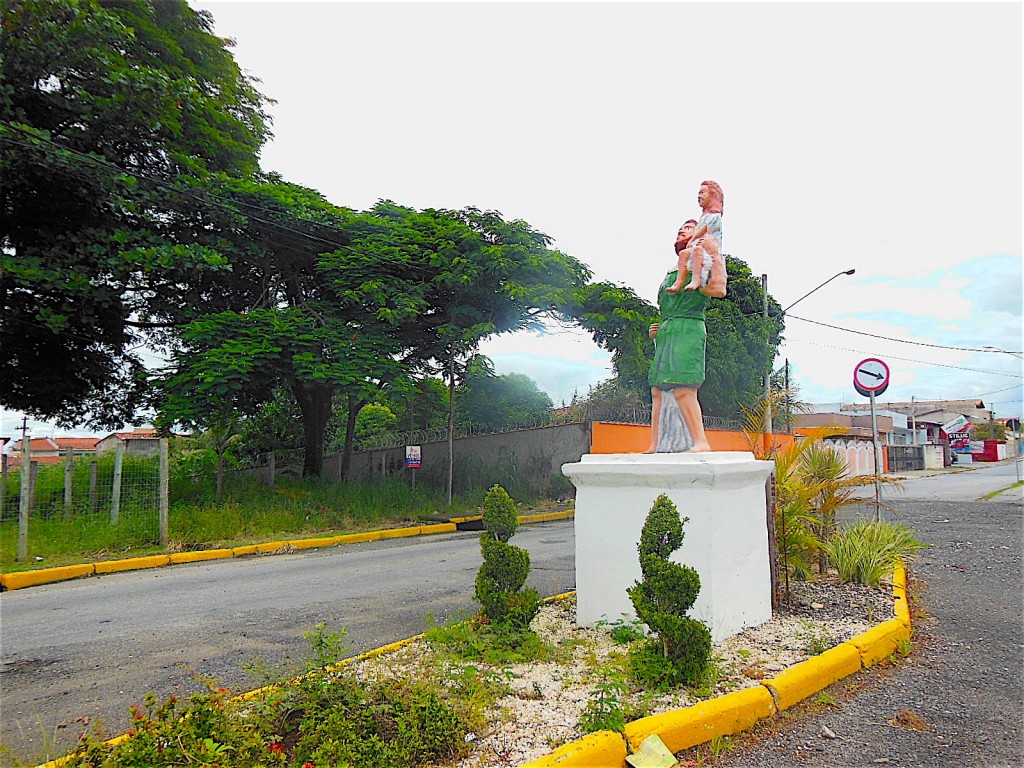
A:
726, 539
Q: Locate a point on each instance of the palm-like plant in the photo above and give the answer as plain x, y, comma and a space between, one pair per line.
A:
812, 482
218, 439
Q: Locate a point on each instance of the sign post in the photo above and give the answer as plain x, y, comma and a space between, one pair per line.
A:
871, 378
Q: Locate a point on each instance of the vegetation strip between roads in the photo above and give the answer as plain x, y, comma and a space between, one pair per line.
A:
740, 710
22, 579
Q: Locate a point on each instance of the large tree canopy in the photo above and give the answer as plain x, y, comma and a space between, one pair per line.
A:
111, 114
373, 301
502, 402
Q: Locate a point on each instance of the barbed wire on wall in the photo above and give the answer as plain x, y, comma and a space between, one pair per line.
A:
624, 414
639, 414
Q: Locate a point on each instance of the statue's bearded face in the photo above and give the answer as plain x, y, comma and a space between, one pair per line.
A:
685, 232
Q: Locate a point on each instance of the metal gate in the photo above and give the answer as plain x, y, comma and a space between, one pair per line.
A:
905, 458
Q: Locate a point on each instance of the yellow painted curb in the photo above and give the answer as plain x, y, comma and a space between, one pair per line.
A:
271, 546
200, 555
132, 563
45, 575
684, 728
328, 541
399, 533
439, 528
604, 749
547, 516
795, 684
899, 577
881, 642
358, 538
249, 549
900, 605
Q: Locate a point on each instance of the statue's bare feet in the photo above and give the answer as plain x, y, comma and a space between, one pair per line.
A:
693, 286
701, 447
675, 288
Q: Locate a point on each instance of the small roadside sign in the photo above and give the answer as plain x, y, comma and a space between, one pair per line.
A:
413, 457
871, 376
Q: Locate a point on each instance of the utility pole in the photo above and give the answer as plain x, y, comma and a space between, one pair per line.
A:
768, 375
26, 491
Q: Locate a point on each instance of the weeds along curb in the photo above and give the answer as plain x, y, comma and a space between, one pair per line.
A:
22, 579
737, 711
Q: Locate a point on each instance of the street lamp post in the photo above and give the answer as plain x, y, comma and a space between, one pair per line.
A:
768, 376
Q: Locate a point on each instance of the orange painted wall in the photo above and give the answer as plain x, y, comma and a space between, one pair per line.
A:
608, 437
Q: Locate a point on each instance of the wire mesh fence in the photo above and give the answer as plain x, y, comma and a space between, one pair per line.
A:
82, 502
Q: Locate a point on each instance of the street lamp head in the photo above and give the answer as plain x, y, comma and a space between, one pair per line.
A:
837, 274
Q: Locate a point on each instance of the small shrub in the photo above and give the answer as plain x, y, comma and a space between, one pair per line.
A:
624, 630
499, 582
661, 600
604, 711
816, 639
389, 722
867, 551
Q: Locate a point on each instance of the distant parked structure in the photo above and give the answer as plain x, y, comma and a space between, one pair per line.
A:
143, 441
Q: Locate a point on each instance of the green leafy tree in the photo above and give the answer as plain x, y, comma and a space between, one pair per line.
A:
418, 403
986, 431
741, 344
111, 115
502, 401
446, 280
617, 320
374, 419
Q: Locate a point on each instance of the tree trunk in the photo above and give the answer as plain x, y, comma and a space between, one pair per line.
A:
451, 425
315, 403
220, 475
350, 435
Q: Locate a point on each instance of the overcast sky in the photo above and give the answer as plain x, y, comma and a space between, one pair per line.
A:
884, 137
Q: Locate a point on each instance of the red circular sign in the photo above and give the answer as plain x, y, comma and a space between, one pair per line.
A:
871, 376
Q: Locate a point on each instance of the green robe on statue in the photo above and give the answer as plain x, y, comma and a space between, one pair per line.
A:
680, 343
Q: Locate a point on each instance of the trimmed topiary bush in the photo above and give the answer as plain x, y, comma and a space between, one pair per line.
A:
682, 648
505, 568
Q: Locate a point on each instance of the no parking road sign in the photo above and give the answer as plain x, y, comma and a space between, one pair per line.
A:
871, 377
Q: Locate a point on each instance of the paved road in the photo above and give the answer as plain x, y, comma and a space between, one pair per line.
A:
968, 483
92, 647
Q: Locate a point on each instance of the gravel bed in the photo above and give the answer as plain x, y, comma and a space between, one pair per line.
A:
547, 699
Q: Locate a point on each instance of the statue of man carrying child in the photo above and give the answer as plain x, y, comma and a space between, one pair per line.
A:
680, 335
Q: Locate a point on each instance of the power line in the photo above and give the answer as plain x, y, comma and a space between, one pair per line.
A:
911, 360
903, 341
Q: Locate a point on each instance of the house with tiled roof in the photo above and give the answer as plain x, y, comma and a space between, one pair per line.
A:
52, 450
144, 441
